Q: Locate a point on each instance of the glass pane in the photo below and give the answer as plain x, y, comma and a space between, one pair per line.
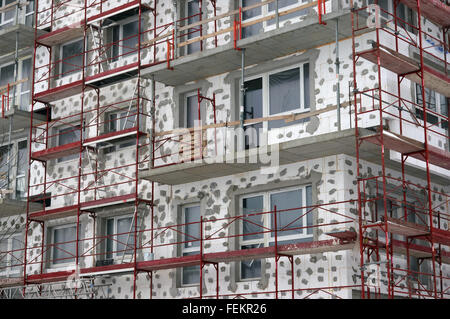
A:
22, 159
192, 231
290, 219
115, 40
252, 13
306, 96
384, 5
249, 14
72, 57
64, 248
113, 122
310, 215
444, 105
251, 269
3, 254
6, 75
25, 86
125, 241
9, 14
110, 238
20, 187
190, 275
284, 92
282, 4
17, 246
127, 120
253, 109
253, 225
26, 74
130, 37
69, 135
3, 164
193, 16
191, 111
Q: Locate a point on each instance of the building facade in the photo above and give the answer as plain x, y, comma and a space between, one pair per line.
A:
257, 149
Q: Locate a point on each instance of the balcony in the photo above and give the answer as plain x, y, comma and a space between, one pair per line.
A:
287, 39
19, 28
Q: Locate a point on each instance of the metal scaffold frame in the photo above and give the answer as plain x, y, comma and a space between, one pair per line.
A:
340, 235
90, 119
423, 220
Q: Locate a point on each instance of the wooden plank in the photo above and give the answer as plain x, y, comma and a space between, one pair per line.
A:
4, 88
196, 24
287, 118
9, 6
247, 24
229, 14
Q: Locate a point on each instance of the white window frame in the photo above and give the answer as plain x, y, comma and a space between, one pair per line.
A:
61, 57
19, 87
390, 10
53, 247
114, 146
267, 236
265, 12
21, 92
9, 272
437, 97
185, 101
3, 13
119, 117
30, 13
58, 141
4, 65
119, 44
114, 237
266, 93
23, 175
186, 8
188, 250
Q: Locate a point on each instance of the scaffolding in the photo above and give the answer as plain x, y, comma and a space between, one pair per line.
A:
394, 210
144, 250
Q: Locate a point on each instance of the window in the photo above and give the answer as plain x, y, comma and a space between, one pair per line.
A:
190, 112
191, 242
23, 89
63, 244
6, 75
29, 13
22, 160
406, 16
122, 120
119, 121
71, 57
7, 16
119, 237
11, 254
67, 136
292, 222
194, 15
4, 166
435, 102
278, 93
123, 38
253, 102
403, 12
265, 10
25, 98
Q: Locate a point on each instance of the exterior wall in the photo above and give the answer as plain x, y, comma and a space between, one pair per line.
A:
333, 178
